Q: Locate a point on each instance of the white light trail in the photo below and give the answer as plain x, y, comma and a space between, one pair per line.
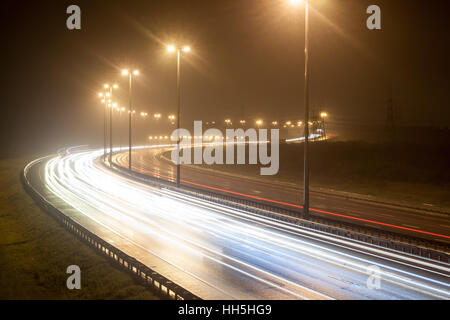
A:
186, 232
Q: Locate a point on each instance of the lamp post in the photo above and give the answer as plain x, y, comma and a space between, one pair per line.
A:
104, 100
306, 120
172, 48
122, 109
130, 75
145, 115
109, 95
111, 108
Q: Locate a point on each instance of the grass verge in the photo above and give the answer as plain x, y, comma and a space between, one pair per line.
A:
35, 252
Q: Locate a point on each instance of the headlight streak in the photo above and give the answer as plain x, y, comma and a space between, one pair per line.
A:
48, 179
77, 176
69, 179
294, 230
319, 254
361, 268
346, 216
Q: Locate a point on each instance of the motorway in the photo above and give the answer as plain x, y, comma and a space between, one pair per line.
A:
218, 252
419, 223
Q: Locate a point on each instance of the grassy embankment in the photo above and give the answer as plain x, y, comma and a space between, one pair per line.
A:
409, 172
35, 252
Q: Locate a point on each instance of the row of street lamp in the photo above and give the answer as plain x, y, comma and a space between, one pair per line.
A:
228, 122
258, 122
186, 49
107, 99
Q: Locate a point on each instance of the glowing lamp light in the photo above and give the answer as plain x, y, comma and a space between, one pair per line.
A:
171, 48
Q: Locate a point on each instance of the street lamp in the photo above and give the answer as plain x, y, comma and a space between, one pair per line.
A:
102, 95
172, 48
120, 110
109, 95
306, 127
130, 75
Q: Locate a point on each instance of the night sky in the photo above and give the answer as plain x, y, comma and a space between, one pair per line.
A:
246, 60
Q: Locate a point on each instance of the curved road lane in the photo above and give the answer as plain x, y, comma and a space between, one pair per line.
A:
219, 252
429, 225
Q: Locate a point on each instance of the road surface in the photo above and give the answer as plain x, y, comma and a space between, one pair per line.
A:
218, 252
428, 225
